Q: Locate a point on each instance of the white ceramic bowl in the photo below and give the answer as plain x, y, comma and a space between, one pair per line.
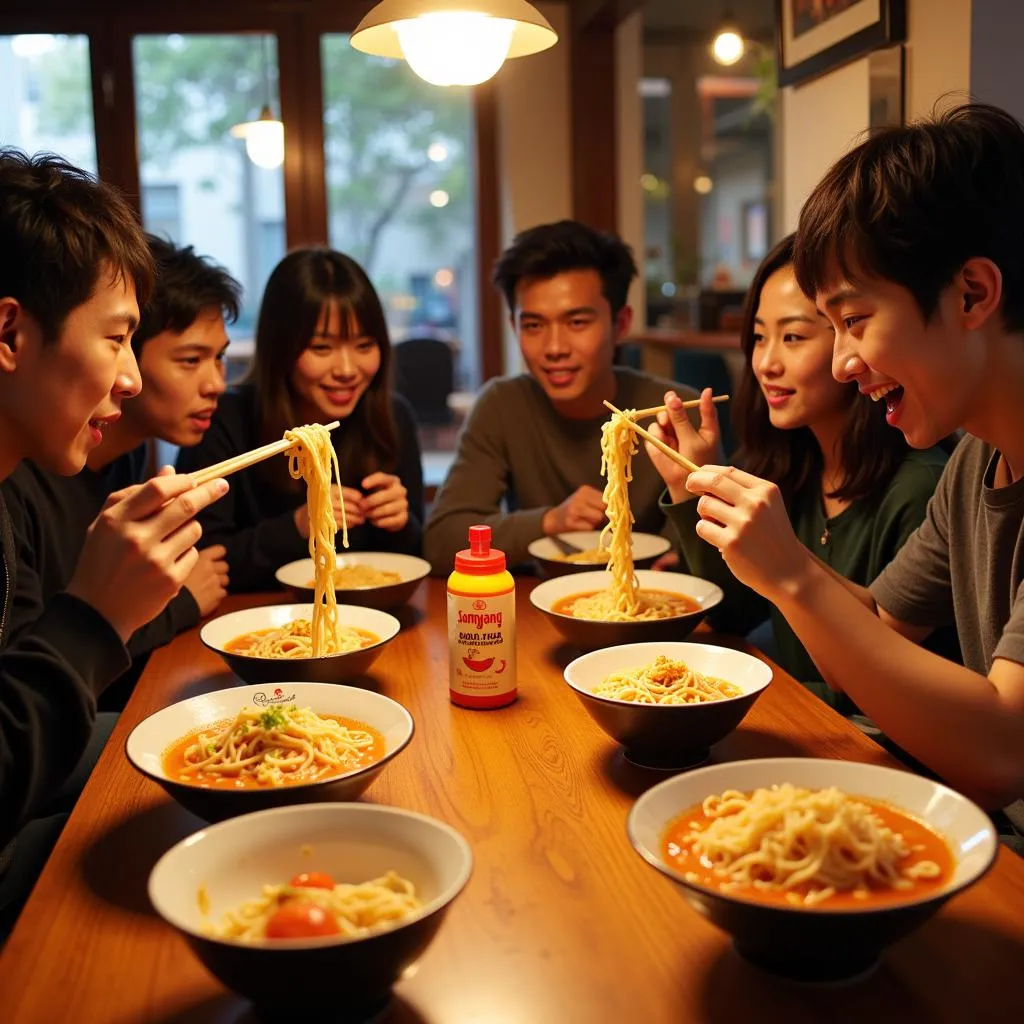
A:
297, 575
646, 548
816, 943
232, 861
331, 668
592, 633
668, 736
151, 738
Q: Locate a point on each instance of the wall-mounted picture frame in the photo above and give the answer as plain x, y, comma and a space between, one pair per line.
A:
817, 36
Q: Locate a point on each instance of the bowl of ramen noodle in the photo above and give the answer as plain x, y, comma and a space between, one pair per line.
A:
313, 912
592, 552
275, 642
589, 614
249, 747
666, 703
813, 866
375, 579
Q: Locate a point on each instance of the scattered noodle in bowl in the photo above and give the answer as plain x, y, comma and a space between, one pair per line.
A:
295, 640
589, 556
280, 746
354, 577
313, 905
600, 605
665, 681
807, 847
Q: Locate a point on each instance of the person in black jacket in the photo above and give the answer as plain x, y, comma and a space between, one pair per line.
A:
74, 267
322, 354
179, 345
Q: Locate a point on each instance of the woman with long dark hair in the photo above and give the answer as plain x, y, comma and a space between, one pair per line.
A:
853, 487
323, 353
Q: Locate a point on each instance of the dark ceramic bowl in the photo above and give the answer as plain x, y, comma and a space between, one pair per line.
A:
296, 576
817, 943
331, 668
336, 979
647, 547
589, 634
668, 736
152, 737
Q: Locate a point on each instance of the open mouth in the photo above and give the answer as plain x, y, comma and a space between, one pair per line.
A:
777, 396
562, 377
893, 395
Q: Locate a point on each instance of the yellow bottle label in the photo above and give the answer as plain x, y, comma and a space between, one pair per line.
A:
482, 648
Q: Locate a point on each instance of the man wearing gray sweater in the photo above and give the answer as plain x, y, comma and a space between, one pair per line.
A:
529, 456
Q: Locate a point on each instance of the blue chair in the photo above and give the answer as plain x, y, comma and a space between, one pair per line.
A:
708, 370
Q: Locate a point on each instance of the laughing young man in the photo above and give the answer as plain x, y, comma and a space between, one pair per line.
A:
179, 345
73, 267
912, 246
529, 457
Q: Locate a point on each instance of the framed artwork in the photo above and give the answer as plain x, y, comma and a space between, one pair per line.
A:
816, 36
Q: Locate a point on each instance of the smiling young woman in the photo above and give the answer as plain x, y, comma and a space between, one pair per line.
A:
853, 488
323, 353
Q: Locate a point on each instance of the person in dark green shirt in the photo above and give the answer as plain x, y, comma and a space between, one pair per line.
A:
854, 490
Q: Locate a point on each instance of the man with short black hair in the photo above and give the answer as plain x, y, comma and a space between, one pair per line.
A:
179, 345
533, 441
73, 267
912, 246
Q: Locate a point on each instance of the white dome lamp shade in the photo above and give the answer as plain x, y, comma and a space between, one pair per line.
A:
454, 42
264, 139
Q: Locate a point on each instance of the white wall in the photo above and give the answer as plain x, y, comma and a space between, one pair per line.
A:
821, 120
938, 53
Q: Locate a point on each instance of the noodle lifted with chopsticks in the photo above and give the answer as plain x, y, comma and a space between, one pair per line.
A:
784, 837
314, 461
665, 681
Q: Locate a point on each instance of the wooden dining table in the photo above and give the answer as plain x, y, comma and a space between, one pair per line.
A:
562, 921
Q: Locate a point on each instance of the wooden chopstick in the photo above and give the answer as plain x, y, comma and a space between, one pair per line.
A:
246, 459
693, 403
675, 456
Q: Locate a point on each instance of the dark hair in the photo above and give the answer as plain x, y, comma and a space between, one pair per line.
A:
302, 286
187, 285
870, 450
551, 249
60, 229
912, 204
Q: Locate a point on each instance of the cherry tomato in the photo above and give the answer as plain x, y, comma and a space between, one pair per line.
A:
313, 880
298, 920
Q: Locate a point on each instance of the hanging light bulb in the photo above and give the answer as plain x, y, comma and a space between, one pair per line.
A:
454, 42
264, 139
727, 47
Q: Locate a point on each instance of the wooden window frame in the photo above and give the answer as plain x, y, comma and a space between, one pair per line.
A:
298, 25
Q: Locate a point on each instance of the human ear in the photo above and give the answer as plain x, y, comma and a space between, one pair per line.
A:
10, 310
623, 322
980, 283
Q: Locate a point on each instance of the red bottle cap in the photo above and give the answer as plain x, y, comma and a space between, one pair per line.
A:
480, 559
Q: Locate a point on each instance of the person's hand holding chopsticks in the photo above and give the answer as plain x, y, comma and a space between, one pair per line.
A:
746, 519
673, 428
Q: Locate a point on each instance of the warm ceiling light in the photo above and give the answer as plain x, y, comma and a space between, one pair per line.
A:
454, 42
439, 198
264, 139
702, 184
437, 152
727, 47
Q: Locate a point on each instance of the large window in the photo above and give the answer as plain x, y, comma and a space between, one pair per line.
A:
47, 96
399, 170
199, 186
